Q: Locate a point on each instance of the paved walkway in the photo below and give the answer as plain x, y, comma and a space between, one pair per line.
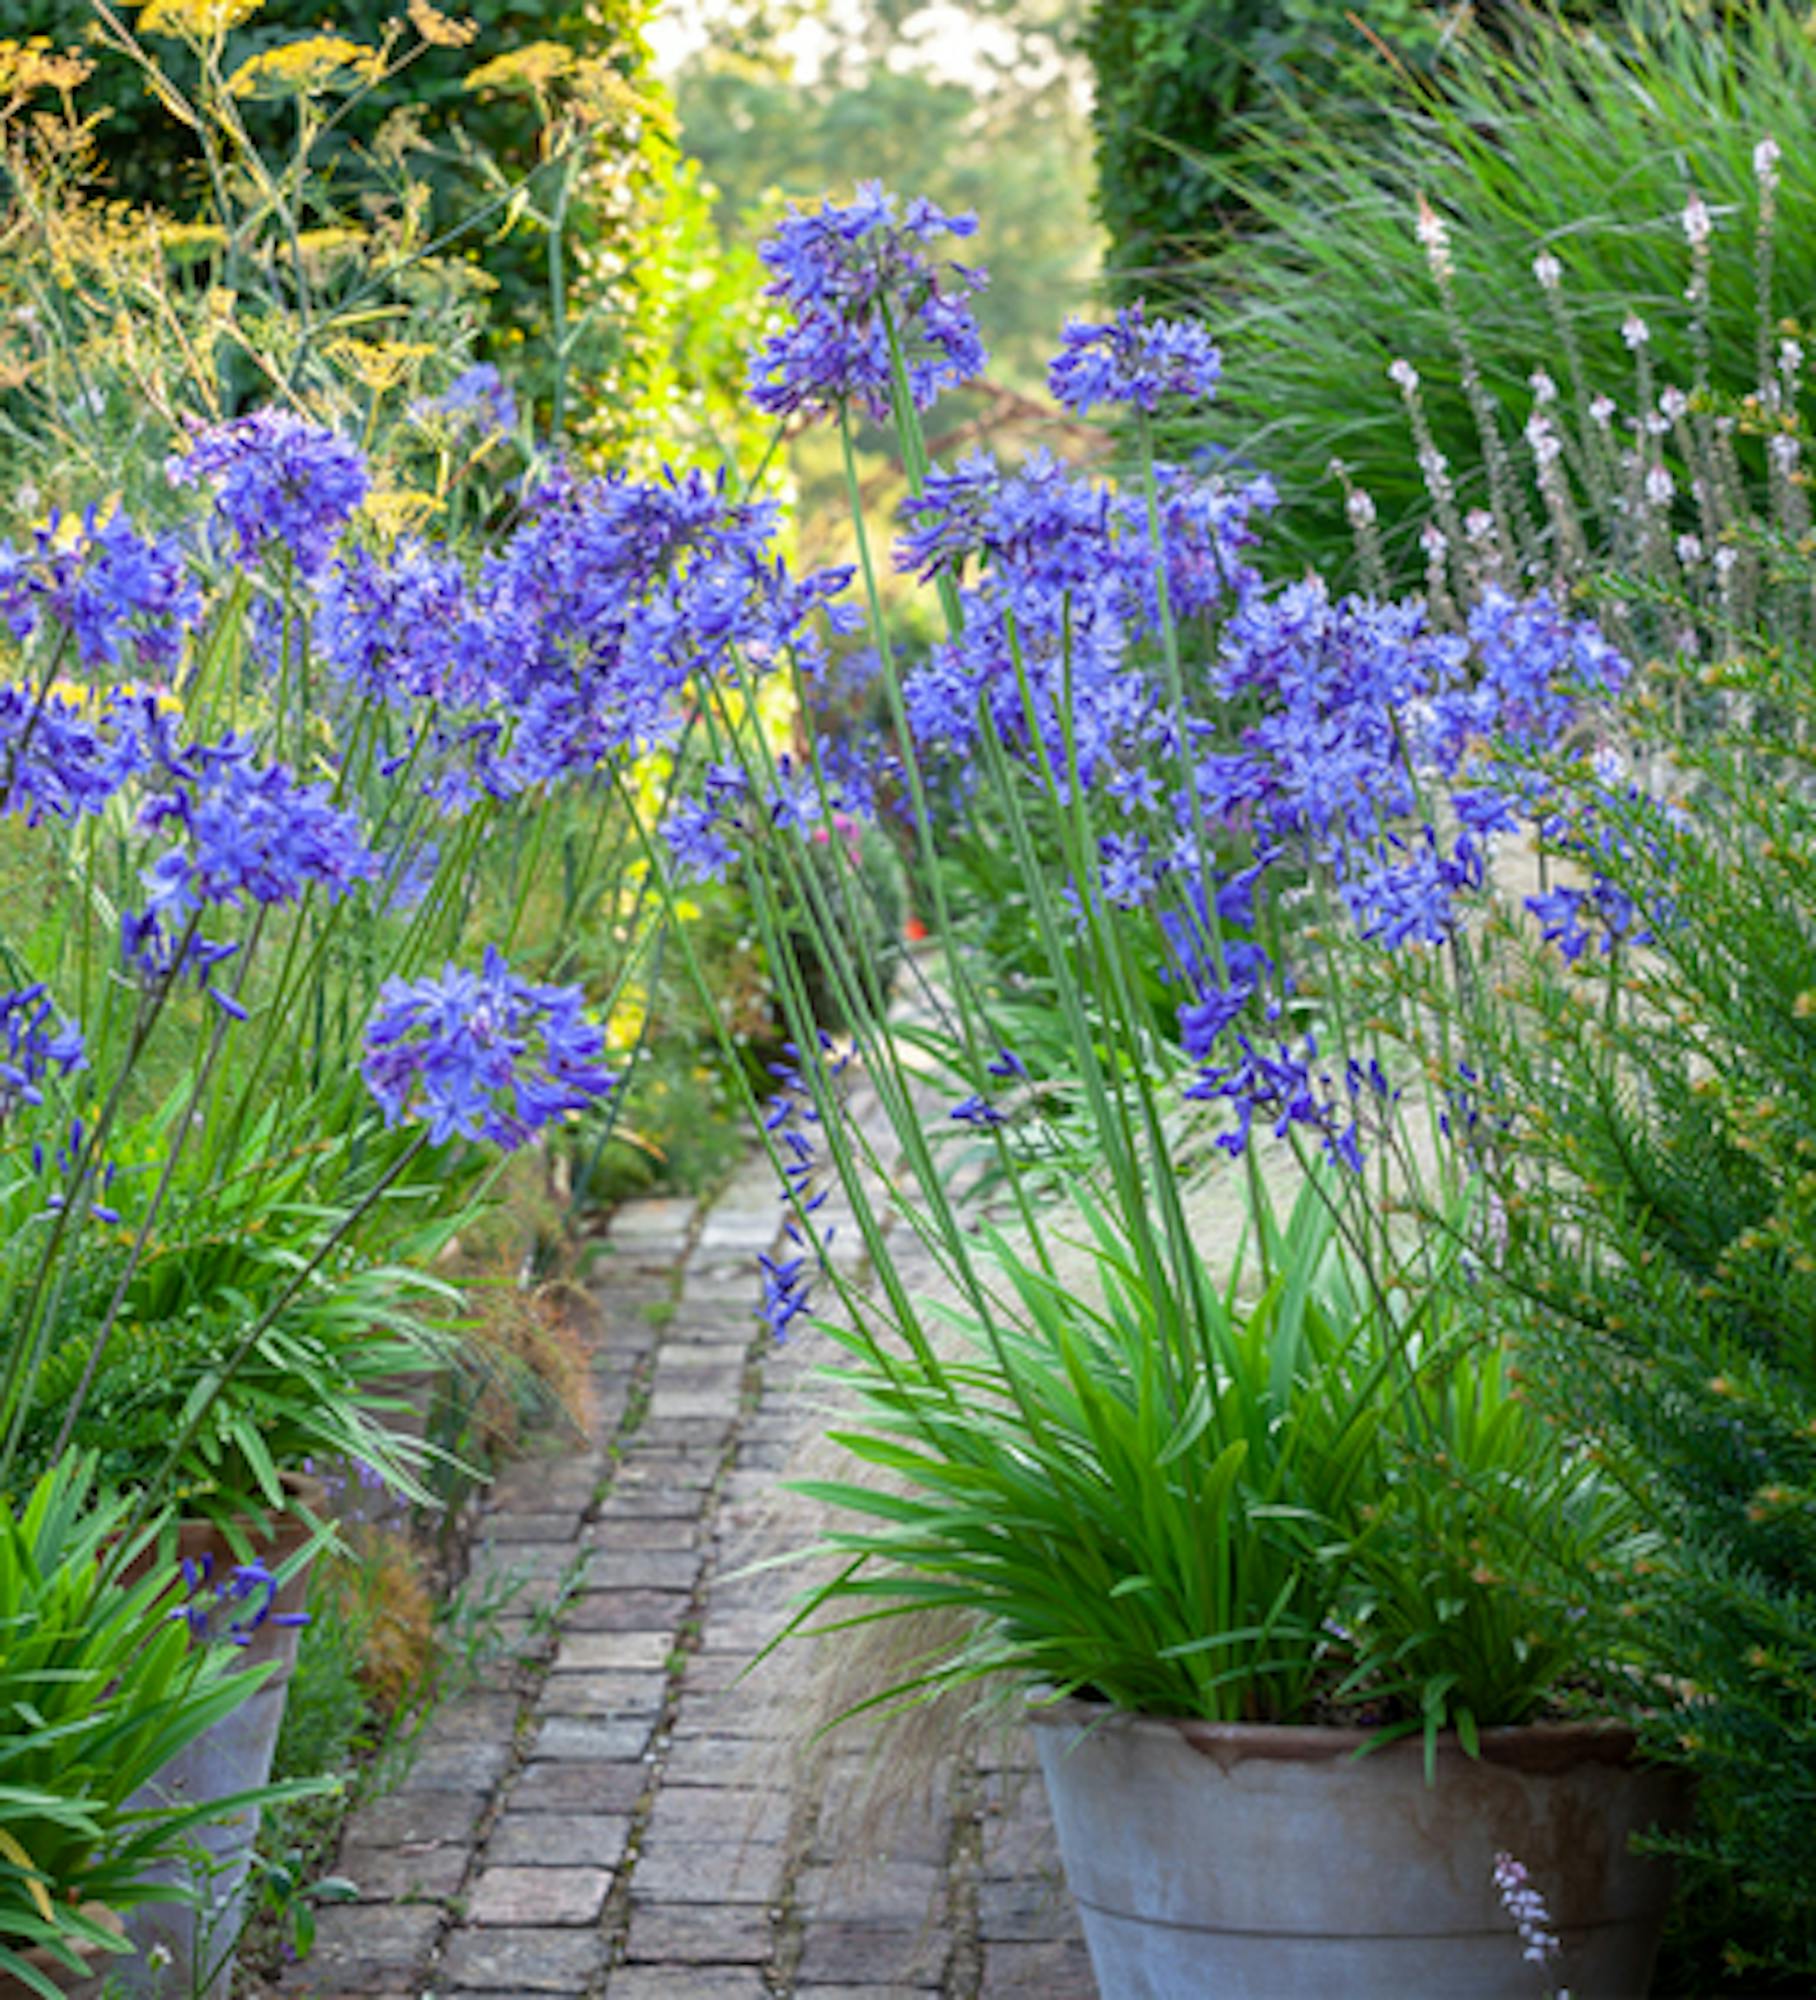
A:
629, 1819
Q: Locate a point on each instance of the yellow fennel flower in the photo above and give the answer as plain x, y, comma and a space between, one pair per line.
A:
306, 68
533, 67
195, 20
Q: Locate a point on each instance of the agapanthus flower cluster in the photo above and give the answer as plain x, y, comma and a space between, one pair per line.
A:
63, 753
793, 1122
249, 833
35, 1040
1068, 587
1213, 955
233, 1607
483, 1055
850, 277
579, 638
246, 833
408, 628
1133, 360
112, 592
478, 400
280, 482
1289, 1087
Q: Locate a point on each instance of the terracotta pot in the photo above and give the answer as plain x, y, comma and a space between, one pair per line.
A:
77, 1985
180, 1950
1230, 1861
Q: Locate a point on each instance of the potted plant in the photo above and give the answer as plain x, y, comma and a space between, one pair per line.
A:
246, 1094
1276, 1549
101, 1688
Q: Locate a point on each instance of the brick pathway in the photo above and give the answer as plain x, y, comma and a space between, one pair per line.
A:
628, 1820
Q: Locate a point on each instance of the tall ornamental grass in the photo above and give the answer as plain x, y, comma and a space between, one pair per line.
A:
1556, 170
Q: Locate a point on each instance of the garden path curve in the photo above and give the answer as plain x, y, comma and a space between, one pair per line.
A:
628, 1819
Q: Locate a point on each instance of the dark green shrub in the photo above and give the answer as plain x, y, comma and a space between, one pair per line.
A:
1175, 81
1185, 87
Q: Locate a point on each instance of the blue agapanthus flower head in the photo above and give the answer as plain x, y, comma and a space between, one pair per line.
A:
483, 1055
478, 399
249, 834
848, 276
1134, 360
115, 595
280, 482
35, 1040
60, 758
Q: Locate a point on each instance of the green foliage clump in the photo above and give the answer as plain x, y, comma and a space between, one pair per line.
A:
101, 1687
1220, 1502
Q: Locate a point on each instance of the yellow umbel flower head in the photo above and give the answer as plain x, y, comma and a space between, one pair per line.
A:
307, 68
437, 29
30, 66
195, 20
533, 67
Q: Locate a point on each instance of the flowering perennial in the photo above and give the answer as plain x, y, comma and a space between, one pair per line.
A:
849, 278
1134, 360
483, 1055
34, 1040
280, 482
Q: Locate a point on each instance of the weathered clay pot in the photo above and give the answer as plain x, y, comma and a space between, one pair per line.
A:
180, 1950
1230, 1861
78, 1986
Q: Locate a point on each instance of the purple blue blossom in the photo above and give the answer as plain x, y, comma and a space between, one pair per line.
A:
483, 1055
793, 1124
478, 399
849, 276
280, 482
69, 1157
250, 833
1134, 360
35, 1040
235, 1608
59, 758
116, 593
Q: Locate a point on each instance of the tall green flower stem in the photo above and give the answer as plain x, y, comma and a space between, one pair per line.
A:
179, 1139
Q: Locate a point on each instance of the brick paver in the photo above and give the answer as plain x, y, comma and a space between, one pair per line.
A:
631, 1822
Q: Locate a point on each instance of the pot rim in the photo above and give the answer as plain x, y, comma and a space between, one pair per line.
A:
1535, 1746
